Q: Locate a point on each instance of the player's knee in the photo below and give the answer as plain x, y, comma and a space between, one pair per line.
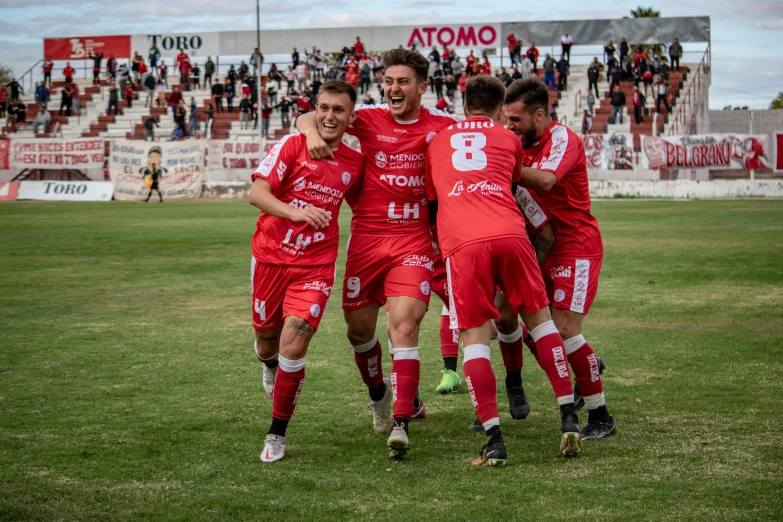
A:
405, 329
359, 334
507, 323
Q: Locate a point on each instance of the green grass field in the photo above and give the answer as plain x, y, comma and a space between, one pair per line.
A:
129, 389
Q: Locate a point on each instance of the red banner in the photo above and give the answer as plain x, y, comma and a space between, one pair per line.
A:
778, 151
9, 190
5, 147
80, 47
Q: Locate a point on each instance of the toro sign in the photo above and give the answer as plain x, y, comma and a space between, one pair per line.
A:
457, 36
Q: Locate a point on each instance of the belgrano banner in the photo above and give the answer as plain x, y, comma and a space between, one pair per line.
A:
180, 163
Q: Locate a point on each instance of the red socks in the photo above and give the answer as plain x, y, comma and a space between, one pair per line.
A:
288, 386
584, 363
368, 359
449, 339
405, 380
552, 358
511, 349
481, 382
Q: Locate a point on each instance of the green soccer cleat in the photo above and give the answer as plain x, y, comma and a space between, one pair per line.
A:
450, 382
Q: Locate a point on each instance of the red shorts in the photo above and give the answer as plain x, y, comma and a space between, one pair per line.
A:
571, 284
477, 269
440, 283
280, 291
391, 266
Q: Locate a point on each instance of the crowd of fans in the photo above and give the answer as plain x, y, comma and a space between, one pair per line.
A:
294, 90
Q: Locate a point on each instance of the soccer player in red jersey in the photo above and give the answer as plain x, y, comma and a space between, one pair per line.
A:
555, 169
295, 248
390, 255
472, 168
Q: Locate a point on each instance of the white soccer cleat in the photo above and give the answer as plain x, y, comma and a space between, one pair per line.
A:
274, 449
381, 411
269, 379
398, 443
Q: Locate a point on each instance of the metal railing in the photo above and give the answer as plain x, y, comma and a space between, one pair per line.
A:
692, 96
577, 102
29, 73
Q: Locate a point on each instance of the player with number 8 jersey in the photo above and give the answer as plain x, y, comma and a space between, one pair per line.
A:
390, 255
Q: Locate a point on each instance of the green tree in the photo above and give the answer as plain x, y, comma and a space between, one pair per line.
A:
5, 74
777, 103
645, 12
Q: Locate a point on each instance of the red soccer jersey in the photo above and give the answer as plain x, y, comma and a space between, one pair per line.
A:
301, 182
567, 204
393, 201
470, 169
68, 72
47, 66
470, 60
358, 48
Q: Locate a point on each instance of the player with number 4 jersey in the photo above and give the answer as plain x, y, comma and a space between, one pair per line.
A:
390, 255
294, 250
472, 170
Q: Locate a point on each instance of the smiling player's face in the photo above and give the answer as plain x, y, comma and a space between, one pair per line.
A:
403, 92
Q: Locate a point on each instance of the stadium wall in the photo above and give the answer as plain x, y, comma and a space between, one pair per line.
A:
747, 122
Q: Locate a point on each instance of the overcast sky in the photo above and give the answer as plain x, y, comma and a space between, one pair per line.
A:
747, 63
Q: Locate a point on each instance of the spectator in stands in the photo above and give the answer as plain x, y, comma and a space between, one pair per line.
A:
618, 102
431, 75
209, 71
315, 88
553, 111
96, 67
445, 63
590, 102
114, 100
470, 64
210, 120
149, 86
663, 97
160, 90
437, 77
639, 102
623, 50
271, 91
587, 122
185, 67
65, 99
4, 101
48, 64
217, 96
516, 75
434, 54
266, 114
75, 97
137, 59
285, 111
301, 76
512, 45
532, 55
10, 120
15, 89
20, 112
193, 121
382, 96
68, 72
149, 127
176, 135
153, 57
256, 59
290, 79
228, 90
446, 103
303, 104
130, 94
675, 53
42, 94
244, 112
358, 47
609, 51
368, 99
451, 84
275, 75
516, 56
549, 72
457, 69
111, 67
43, 118
196, 72
486, 67
180, 114
295, 57
175, 97
462, 86
366, 76
526, 69
562, 71
124, 75
566, 42
592, 78
319, 63
242, 71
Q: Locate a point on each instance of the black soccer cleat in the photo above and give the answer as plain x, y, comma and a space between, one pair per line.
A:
476, 426
579, 401
518, 405
571, 439
493, 453
598, 429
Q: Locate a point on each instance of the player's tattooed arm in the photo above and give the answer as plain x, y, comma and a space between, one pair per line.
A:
543, 241
301, 326
268, 337
540, 180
